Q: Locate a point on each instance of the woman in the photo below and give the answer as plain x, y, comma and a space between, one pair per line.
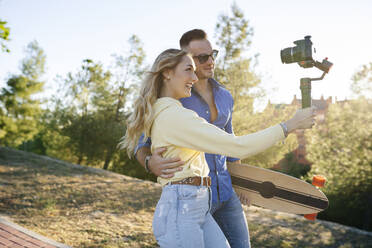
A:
182, 217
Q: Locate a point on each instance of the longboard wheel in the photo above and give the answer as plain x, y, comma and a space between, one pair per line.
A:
311, 216
319, 181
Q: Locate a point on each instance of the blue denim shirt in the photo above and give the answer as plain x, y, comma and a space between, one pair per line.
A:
221, 181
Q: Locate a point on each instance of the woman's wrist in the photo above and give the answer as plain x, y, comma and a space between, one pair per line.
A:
290, 126
285, 129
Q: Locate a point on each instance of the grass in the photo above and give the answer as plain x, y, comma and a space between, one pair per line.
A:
87, 207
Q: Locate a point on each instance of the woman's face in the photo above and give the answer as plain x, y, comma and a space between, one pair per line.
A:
182, 78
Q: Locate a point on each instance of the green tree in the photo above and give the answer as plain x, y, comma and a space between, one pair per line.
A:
85, 94
90, 115
236, 70
341, 150
4, 35
128, 71
273, 114
362, 82
20, 110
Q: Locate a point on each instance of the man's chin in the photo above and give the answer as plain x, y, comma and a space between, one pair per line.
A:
209, 74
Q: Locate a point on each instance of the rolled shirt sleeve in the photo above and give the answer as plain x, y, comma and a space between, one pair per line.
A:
142, 143
229, 129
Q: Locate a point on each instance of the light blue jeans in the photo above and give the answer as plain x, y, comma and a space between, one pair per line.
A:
231, 219
182, 219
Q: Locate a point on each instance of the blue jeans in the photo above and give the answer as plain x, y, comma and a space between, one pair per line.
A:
231, 218
182, 219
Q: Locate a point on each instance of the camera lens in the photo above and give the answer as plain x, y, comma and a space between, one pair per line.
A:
287, 55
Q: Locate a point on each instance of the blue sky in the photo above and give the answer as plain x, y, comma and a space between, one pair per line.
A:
72, 30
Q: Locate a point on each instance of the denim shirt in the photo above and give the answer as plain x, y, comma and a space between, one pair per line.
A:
221, 181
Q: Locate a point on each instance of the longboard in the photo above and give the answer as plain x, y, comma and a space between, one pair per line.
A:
275, 190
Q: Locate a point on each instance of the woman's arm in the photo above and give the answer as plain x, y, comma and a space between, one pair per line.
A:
184, 128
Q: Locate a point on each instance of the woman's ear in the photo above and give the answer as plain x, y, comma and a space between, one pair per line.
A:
166, 74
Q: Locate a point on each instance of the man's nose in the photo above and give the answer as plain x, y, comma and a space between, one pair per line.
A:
210, 60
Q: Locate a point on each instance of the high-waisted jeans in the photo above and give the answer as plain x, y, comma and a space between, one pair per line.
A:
182, 219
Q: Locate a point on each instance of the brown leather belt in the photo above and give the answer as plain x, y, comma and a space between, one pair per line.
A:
197, 181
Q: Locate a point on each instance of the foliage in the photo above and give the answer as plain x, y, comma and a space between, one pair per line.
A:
89, 116
87, 101
362, 81
234, 69
19, 110
128, 71
4, 35
273, 114
341, 150
290, 166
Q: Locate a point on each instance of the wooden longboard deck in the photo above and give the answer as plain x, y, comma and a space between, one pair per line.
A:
276, 191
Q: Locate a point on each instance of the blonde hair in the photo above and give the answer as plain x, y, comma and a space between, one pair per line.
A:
141, 119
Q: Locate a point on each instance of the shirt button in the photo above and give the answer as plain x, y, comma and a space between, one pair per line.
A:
207, 112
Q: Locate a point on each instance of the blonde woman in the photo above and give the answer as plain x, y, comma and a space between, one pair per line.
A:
182, 217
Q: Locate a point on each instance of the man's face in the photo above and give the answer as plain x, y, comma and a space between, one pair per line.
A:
198, 48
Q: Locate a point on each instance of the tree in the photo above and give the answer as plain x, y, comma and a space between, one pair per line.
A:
341, 150
362, 81
128, 71
4, 35
273, 114
19, 110
235, 70
85, 94
90, 114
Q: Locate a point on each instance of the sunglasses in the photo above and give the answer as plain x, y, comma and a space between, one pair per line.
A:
204, 57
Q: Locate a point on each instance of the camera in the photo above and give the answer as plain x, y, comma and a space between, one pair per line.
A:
302, 54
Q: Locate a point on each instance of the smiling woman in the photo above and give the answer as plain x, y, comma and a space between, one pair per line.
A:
178, 82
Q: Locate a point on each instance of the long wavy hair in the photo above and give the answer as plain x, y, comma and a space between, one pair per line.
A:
141, 119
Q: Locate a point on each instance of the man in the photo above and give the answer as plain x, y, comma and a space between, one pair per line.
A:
214, 103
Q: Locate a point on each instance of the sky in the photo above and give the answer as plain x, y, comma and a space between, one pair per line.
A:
70, 31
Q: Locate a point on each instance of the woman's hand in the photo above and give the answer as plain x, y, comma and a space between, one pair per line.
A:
303, 119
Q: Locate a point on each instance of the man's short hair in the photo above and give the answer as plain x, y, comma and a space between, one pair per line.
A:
195, 34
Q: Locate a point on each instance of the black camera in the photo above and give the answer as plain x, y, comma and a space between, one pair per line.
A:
302, 54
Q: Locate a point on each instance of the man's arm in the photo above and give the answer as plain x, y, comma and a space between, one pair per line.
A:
229, 129
159, 166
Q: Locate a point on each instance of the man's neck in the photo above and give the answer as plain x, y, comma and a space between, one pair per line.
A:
202, 86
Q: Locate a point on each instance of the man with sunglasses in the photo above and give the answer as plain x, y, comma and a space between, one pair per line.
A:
214, 103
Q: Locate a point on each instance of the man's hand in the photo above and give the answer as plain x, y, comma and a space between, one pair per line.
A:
244, 200
164, 167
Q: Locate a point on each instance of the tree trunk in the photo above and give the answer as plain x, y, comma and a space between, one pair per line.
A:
108, 159
80, 159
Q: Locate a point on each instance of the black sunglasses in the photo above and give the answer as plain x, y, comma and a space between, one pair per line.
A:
204, 57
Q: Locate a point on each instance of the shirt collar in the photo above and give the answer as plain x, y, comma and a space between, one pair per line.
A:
216, 85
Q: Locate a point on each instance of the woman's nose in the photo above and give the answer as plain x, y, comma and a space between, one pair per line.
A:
194, 78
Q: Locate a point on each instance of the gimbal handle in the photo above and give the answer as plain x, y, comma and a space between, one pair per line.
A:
305, 86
